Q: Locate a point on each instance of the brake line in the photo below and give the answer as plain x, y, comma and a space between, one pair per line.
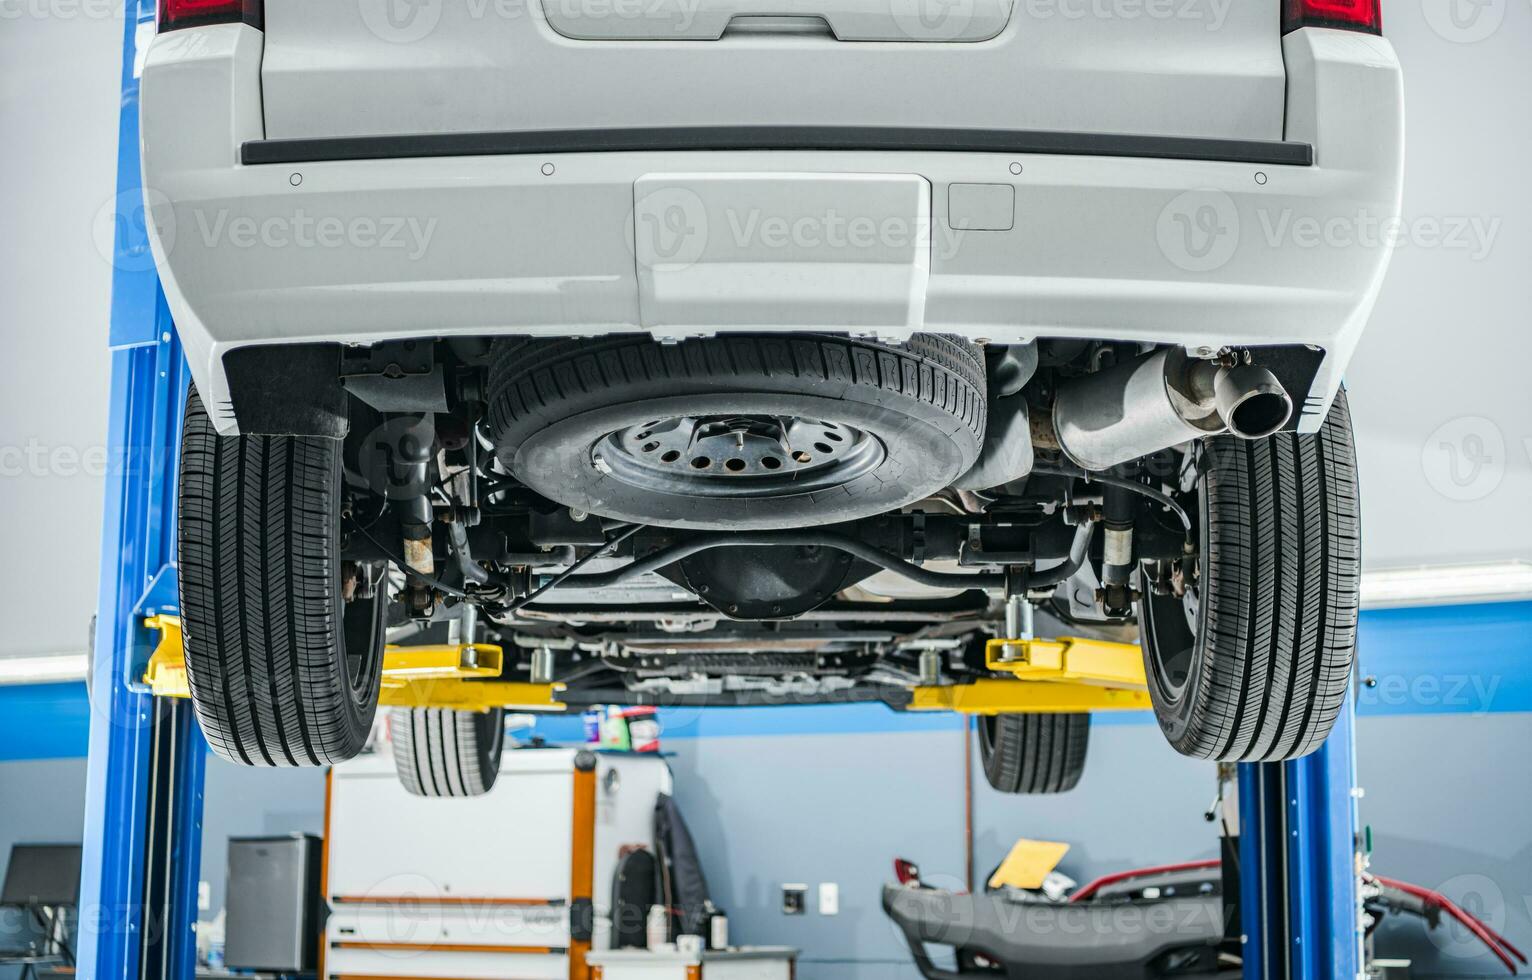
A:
1170, 503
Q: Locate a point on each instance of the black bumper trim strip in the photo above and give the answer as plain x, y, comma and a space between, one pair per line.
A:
890, 139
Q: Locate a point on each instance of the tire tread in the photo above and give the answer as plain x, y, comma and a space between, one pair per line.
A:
1035, 754
1281, 586
444, 753
258, 541
529, 378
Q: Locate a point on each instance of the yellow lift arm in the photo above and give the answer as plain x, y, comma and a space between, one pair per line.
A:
413, 677
1067, 675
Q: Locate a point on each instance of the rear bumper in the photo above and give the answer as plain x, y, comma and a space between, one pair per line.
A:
798, 138
540, 240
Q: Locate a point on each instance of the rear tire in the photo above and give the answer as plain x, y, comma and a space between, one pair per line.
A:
1033, 753
283, 672
1254, 665
447, 753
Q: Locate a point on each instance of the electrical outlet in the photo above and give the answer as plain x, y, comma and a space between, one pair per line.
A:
794, 899
829, 898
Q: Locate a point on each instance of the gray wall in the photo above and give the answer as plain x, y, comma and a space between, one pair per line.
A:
60, 65
1438, 381
1450, 808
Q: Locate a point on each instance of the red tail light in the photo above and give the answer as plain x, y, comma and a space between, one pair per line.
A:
194, 13
1351, 15
906, 873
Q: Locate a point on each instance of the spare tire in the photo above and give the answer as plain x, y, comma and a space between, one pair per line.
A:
740, 431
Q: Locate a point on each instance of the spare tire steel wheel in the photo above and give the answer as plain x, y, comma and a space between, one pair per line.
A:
737, 432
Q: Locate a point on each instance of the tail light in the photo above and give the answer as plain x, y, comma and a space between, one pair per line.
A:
176, 14
1351, 15
906, 873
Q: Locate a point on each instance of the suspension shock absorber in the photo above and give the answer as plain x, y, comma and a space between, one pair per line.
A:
1119, 511
409, 482
1019, 621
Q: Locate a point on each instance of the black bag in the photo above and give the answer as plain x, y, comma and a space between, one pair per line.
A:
682, 882
634, 889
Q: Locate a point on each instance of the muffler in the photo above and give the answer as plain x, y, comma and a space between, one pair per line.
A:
1161, 400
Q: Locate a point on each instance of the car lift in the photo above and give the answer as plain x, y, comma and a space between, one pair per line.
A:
455, 677
143, 819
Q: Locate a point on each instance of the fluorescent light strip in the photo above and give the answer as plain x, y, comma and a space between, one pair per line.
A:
1446, 584
43, 670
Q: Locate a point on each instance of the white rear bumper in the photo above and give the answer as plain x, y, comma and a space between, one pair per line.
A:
877, 242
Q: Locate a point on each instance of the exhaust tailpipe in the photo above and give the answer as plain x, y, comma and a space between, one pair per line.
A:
1251, 401
1161, 400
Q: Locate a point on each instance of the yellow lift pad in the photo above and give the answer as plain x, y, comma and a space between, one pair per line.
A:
413, 677
1067, 675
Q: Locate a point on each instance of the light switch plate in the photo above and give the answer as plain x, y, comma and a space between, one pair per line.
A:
829, 898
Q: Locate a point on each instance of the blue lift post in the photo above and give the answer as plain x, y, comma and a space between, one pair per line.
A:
143, 812
1299, 888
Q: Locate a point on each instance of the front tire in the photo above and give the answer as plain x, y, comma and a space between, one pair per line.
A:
1033, 753
1253, 662
447, 753
282, 670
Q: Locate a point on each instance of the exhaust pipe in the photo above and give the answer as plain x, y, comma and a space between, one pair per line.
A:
1251, 401
1161, 400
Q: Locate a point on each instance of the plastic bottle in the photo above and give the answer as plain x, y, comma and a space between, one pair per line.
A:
658, 928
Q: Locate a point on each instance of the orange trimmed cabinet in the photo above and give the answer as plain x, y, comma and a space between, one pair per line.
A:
743, 963
516, 882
